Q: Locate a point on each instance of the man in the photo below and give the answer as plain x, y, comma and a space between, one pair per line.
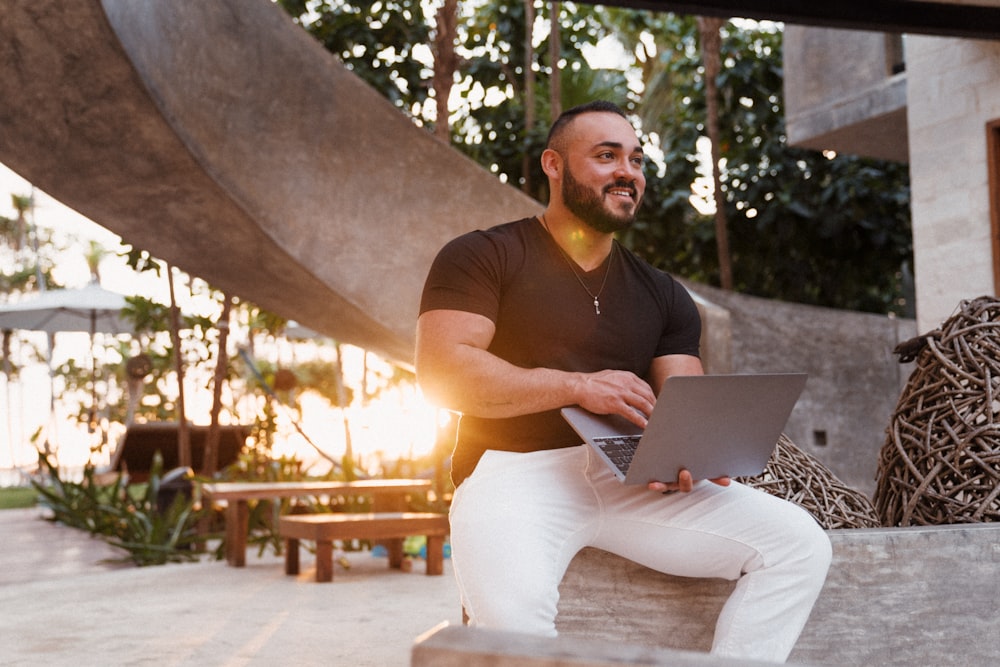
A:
525, 318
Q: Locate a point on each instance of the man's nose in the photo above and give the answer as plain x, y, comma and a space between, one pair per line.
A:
624, 169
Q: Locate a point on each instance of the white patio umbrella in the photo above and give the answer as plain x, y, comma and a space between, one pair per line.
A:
90, 309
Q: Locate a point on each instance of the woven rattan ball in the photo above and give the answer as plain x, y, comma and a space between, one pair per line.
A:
796, 476
940, 463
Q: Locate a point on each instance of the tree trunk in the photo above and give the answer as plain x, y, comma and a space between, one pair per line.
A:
183, 434
210, 462
445, 65
529, 95
555, 53
342, 402
711, 46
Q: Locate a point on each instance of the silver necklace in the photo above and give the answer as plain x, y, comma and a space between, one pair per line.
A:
569, 261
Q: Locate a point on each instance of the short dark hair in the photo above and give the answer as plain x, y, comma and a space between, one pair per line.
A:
564, 119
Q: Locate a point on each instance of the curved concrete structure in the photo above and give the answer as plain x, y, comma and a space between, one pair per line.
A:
222, 138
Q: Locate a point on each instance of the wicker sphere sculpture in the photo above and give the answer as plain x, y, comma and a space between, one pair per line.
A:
796, 476
940, 463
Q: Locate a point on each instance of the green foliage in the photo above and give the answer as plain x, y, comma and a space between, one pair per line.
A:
803, 226
127, 517
492, 45
140, 261
374, 39
17, 497
836, 229
27, 254
135, 519
316, 375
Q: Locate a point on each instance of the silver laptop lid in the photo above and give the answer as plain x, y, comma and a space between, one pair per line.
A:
711, 425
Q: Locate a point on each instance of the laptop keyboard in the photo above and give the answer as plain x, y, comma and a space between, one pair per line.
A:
619, 448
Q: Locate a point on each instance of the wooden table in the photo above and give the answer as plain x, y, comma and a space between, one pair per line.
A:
388, 495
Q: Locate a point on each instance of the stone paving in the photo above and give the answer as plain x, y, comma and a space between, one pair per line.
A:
63, 605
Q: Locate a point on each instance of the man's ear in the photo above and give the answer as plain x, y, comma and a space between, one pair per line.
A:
552, 163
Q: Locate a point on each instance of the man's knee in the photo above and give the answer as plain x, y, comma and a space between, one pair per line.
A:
809, 547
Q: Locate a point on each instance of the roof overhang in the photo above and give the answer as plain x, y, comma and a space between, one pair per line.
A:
954, 18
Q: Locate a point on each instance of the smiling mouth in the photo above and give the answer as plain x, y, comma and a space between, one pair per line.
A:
620, 190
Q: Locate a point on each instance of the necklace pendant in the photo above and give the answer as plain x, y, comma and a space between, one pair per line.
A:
597, 306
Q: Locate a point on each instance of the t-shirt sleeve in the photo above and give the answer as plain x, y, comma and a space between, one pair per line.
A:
466, 276
682, 335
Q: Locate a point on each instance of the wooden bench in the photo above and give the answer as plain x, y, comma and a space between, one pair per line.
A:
323, 529
388, 495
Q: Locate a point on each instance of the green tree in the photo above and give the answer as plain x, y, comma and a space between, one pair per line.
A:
806, 227
498, 132
802, 226
375, 39
27, 251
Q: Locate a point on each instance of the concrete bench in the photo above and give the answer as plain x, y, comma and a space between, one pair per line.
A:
894, 596
323, 529
388, 495
460, 646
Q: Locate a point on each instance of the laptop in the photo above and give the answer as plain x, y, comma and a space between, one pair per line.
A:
712, 425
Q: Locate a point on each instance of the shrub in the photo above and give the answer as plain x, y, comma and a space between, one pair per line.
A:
133, 517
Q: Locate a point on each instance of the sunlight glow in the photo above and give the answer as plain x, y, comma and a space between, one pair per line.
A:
398, 423
703, 188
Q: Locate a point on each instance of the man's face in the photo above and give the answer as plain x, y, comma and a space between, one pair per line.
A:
605, 184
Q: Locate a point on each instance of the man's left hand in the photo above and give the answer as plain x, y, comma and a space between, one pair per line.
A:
684, 483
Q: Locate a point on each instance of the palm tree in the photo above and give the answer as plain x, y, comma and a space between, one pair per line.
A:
23, 204
16, 233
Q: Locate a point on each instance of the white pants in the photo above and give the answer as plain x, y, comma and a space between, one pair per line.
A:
519, 519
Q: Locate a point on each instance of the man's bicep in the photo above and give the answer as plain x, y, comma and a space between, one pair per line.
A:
438, 329
445, 338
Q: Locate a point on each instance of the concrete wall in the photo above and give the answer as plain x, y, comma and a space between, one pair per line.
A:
841, 93
854, 379
953, 91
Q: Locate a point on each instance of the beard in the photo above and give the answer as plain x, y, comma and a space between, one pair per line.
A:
589, 205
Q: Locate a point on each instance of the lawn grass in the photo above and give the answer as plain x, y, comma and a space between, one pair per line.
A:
17, 496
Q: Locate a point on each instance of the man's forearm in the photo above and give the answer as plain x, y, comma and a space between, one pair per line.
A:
476, 382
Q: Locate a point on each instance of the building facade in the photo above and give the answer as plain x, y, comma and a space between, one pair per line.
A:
933, 102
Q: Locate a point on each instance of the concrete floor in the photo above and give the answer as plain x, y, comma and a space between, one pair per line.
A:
61, 605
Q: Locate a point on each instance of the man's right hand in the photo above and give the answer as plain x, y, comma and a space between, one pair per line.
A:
616, 392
